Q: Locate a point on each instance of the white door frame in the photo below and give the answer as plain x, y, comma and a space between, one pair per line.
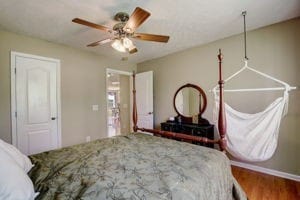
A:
13, 56
110, 70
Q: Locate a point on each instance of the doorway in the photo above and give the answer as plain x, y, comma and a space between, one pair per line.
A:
118, 102
35, 103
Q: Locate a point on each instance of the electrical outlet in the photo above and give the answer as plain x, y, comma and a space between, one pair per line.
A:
88, 138
95, 107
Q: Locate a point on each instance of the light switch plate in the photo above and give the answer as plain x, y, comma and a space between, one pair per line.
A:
95, 107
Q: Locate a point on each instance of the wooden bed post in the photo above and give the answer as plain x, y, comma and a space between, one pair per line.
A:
222, 116
134, 111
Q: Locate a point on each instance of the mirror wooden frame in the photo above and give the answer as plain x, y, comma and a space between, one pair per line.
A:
189, 119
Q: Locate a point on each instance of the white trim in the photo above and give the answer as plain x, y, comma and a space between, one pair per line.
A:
13, 98
58, 98
110, 70
266, 170
34, 56
13, 56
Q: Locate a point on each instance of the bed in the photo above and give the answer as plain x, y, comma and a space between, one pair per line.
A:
135, 166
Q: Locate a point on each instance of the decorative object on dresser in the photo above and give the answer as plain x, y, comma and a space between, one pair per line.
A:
189, 103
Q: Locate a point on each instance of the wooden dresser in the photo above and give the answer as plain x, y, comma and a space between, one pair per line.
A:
191, 129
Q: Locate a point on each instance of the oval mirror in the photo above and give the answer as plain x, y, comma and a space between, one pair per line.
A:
189, 100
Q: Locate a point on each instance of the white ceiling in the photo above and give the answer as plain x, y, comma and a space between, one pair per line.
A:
189, 23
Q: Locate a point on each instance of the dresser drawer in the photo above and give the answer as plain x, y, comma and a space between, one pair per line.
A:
166, 127
191, 129
200, 132
186, 130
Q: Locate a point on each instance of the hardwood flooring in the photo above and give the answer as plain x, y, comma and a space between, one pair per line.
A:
259, 186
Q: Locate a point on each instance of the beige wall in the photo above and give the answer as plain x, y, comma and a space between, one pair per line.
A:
82, 85
274, 50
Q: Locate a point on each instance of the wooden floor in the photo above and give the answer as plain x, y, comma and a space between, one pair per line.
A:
259, 186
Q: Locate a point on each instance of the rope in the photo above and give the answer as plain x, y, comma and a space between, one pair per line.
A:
245, 34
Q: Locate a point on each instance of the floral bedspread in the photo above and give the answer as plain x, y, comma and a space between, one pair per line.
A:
134, 167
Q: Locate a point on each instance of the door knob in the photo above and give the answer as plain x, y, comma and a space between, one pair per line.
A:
53, 118
150, 113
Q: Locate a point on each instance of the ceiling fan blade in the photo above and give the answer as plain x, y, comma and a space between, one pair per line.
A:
100, 42
90, 24
151, 37
136, 19
131, 51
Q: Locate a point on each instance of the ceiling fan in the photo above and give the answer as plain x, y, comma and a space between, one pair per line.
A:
125, 29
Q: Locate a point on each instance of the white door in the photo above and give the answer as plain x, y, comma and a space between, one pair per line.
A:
144, 98
36, 104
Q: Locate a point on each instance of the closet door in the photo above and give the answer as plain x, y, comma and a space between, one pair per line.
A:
36, 105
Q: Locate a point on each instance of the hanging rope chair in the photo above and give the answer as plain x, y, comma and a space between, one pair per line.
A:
253, 137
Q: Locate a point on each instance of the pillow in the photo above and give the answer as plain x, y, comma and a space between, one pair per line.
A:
14, 182
22, 160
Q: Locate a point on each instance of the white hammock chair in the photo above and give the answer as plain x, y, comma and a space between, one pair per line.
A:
253, 137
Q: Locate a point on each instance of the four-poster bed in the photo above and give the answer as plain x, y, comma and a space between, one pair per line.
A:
179, 136
137, 166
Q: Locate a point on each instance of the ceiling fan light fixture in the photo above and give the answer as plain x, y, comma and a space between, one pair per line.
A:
131, 47
127, 43
124, 30
117, 45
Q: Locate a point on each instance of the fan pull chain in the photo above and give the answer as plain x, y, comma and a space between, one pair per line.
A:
245, 35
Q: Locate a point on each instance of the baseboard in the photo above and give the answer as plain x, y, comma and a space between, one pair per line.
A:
266, 171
